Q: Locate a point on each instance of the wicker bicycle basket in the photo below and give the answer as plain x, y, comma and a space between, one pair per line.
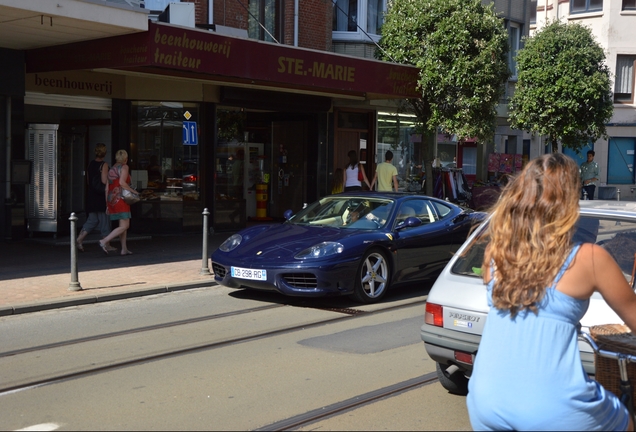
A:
616, 338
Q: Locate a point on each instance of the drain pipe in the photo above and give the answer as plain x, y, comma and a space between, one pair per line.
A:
7, 197
295, 23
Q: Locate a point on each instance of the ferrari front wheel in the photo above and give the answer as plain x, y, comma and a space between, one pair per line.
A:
374, 277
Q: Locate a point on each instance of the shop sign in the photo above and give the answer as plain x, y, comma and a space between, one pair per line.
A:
204, 53
77, 83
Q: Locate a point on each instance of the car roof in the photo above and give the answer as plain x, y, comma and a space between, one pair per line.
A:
613, 208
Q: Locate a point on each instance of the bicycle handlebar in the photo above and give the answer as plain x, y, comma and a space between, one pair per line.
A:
605, 353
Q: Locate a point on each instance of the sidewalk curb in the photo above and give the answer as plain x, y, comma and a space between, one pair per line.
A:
100, 298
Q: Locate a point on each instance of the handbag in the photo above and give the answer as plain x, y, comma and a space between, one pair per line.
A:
129, 197
360, 176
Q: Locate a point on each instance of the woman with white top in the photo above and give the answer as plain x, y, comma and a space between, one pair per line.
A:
353, 172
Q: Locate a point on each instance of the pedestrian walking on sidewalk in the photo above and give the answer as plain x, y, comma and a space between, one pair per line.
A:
116, 207
354, 174
386, 175
96, 177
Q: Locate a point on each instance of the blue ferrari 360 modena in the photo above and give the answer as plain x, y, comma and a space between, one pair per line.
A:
355, 243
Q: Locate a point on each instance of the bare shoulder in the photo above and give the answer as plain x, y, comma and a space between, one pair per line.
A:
593, 269
592, 253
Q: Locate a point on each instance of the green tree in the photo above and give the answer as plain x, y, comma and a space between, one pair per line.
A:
460, 47
564, 88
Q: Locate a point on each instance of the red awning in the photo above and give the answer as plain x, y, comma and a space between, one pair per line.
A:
168, 50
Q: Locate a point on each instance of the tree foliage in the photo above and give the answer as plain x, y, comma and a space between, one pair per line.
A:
460, 48
564, 87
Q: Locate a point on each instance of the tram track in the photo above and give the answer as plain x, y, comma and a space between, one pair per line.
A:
313, 416
347, 313
137, 330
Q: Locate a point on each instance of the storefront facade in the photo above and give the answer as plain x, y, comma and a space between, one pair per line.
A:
243, 128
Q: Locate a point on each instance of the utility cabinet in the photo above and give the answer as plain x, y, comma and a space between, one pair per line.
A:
57, 187
41, 148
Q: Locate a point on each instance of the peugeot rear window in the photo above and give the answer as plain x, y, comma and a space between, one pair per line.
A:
469, 262
616, 235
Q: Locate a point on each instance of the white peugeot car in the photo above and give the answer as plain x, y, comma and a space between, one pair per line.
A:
456, 307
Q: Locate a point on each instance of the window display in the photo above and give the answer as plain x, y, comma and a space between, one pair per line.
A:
165, 159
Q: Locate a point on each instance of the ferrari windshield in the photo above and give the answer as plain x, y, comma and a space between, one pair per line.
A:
346, 212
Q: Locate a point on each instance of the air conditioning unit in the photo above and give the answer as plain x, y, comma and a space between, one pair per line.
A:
178, 13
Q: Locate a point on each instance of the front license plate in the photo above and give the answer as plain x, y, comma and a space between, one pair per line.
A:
245, 273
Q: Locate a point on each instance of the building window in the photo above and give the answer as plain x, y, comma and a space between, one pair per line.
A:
629, 4
355, 19
579, 6
514, 39
533, 11
375, 16
264, 20
345, 15
620, 164
624, 83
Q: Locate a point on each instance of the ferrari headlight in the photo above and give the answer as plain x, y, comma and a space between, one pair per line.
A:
231, 243
321, 250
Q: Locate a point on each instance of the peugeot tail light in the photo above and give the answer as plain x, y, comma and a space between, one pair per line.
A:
434, 315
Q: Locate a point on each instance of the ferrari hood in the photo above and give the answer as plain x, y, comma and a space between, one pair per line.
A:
284, 241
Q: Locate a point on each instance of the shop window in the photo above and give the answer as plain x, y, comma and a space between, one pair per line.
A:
165, 164
358, 19
629, 4
397, 132
264, 20
580, 6
624, 83
620, 163
469, 161
446, 153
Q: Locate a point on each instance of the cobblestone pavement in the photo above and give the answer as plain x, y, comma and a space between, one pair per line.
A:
36, 273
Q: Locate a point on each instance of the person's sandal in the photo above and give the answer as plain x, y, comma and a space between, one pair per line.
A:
103, 246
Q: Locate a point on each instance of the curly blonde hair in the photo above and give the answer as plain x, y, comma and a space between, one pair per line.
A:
530, 231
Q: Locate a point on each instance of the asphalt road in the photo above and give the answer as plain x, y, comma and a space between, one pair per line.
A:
221, 359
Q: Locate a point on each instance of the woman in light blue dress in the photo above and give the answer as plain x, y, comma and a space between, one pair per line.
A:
528, 373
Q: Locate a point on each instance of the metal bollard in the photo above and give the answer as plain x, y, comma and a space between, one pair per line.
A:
618, 194
205, 269
74, 285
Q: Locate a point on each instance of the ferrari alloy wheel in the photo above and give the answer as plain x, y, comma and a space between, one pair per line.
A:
373, 278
